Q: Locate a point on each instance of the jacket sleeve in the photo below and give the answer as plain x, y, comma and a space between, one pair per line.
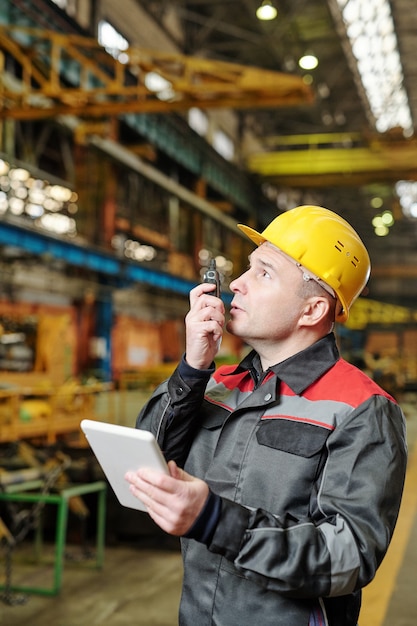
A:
171, 413
354, 508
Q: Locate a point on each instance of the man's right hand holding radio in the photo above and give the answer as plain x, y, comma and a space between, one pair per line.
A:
204, 325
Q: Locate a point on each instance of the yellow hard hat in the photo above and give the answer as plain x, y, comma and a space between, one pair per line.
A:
325, 245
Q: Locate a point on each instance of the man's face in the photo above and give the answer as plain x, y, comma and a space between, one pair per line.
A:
266, 305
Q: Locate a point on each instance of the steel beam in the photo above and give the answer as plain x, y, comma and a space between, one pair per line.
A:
322, 161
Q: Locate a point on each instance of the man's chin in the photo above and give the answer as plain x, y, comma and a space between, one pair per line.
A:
232, 329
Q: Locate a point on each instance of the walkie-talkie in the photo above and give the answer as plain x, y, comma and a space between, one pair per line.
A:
212, 276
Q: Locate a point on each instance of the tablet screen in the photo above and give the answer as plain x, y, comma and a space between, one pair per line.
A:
119, 449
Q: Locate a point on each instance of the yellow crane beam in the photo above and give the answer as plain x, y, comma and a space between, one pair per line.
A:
365, 312
70, 74
339, 159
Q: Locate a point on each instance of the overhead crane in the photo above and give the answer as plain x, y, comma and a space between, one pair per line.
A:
71, 74
336, 159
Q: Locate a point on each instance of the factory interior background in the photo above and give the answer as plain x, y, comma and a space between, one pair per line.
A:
134, 137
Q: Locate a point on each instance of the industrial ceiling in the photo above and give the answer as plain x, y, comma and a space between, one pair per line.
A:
326, 151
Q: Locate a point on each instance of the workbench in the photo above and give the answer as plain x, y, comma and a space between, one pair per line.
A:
29, 493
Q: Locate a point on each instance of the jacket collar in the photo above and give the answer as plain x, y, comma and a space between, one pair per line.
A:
300, 370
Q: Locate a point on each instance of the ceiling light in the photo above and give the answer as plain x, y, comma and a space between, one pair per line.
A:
377, 202
382, 223
381, 231
4, 167
36, 199
406, 191
159, 85
370, 29
308, 62
387, 218
266, 11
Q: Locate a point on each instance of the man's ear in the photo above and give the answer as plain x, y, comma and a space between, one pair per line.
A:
315, 311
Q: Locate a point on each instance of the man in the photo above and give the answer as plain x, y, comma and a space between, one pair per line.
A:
294, 460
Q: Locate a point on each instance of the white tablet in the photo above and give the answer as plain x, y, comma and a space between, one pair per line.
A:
119, 449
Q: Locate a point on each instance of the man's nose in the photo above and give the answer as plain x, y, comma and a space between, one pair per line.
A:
237, 284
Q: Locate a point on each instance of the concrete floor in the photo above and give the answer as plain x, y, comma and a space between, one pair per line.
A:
141, 580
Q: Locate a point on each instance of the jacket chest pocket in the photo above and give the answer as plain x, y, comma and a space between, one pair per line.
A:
293, 437
281, 468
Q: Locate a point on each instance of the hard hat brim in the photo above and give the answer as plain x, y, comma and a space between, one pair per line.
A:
252, 234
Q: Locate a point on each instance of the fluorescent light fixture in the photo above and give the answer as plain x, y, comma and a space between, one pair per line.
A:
266, 11
370, 30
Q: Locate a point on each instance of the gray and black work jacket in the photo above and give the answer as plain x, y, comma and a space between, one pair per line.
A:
306, 465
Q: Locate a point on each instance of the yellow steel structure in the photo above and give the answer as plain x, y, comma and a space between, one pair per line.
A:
71, 74
366, 311
336, 159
